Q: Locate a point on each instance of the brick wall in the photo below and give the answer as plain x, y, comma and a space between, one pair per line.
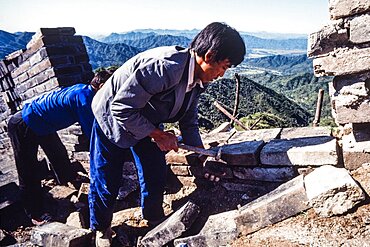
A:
54, 57
342, 49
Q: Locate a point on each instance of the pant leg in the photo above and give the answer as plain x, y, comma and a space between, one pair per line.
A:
25, 145
58, 157
152, 170
106, 160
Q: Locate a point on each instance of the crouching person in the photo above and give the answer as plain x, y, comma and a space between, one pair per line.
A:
36, 125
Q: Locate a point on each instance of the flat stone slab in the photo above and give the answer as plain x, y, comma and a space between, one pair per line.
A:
242, 154
308, 151
62, 192
351, 109
362, 176
332, 191
268, 174
58, 234
332, 35
343, 8
219, 230
172, 227
242, 136
343, 61
292, 133
283, 202
356, 148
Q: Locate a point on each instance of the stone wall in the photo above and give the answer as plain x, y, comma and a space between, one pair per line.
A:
342, 49
54, 57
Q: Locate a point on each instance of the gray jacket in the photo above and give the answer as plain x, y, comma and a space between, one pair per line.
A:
147, 90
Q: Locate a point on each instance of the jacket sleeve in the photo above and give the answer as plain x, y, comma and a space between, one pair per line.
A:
135, 93
189, 126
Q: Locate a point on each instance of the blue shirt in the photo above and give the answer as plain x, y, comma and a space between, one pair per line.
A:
59, 109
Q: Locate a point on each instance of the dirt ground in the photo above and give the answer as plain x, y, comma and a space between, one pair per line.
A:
305, 229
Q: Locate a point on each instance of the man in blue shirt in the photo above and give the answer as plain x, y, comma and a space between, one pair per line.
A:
36, 125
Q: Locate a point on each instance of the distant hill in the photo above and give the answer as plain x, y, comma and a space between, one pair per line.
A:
283, 64
153, 41
152, 38
10, 42
121, 38
254, 98
104, 55
301, 87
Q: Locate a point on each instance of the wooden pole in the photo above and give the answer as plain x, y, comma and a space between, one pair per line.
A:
320, 96
224, 111
237, 89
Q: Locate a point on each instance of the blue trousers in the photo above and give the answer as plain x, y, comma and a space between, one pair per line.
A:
106, 160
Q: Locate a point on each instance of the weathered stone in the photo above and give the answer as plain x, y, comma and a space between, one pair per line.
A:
362, 176
9, 194
180, 170
357, 84
268, 174
58, 234
350, 109
172, 227
2, 235
77, 220
343, 61
128, 216
62, 192
83, 192
308, 151
332, 191
360, 29
283, 202
242, 136
291, 133
356, 146
343, 8
242, 154
251, 188
219, 230
329, 37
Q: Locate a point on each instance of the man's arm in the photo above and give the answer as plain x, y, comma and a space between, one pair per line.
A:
189, 126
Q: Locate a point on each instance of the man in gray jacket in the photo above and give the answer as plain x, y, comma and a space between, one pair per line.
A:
157, 86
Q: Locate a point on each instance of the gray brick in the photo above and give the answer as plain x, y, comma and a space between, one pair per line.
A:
58, 234
285, 201
343, 8
308, 151
343, 61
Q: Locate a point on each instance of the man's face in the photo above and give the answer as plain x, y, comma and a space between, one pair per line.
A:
211, 70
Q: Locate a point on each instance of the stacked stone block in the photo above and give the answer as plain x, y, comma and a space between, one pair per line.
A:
54, 57
257, 161
342, 49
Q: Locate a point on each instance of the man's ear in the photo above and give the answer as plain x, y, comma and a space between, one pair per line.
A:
209, 57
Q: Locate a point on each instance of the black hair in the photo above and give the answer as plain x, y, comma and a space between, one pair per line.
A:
224, 41
101, 77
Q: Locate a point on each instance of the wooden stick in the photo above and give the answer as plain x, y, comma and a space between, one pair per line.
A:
224, 111
237, 89
320, 96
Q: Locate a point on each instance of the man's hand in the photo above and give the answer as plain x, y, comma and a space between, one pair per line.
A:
166, 141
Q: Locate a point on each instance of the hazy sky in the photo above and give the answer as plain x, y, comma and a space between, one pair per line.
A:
106, 16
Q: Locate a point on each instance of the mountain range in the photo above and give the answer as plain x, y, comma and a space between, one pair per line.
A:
282, 85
